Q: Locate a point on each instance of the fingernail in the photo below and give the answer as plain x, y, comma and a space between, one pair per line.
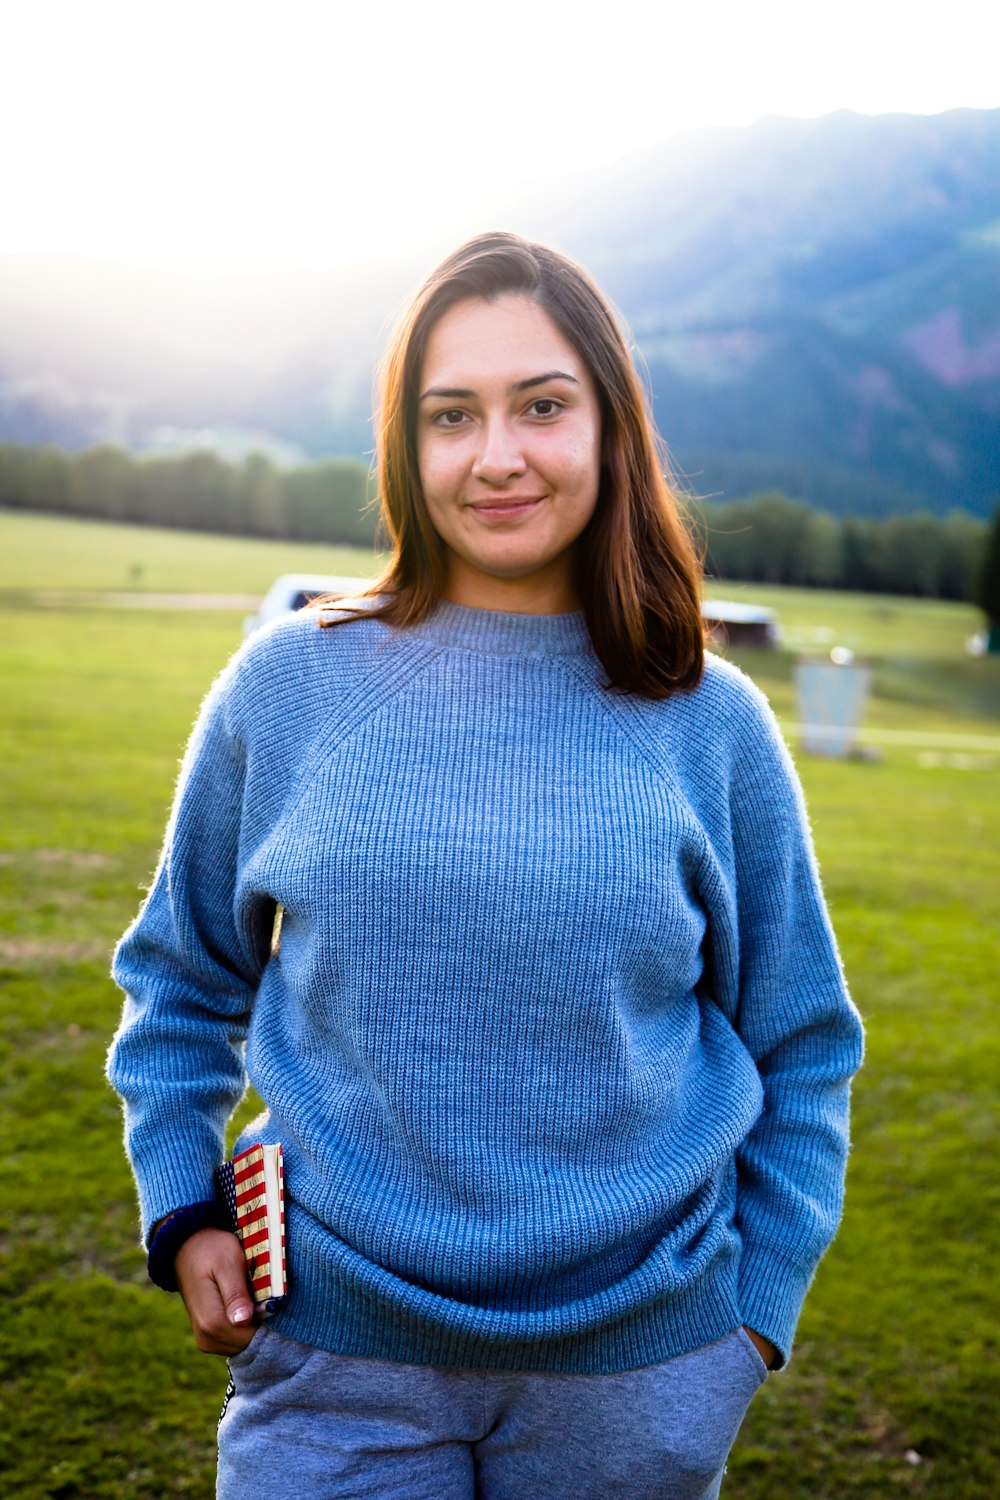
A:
241, 1314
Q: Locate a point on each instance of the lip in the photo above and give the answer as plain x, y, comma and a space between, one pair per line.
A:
506, 508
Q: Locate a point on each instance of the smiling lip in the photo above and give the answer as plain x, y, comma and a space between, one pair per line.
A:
500, 509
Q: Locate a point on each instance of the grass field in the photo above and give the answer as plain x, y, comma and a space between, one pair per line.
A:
39, 552
895, 1382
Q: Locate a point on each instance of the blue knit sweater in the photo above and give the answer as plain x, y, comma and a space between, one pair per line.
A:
555, 1037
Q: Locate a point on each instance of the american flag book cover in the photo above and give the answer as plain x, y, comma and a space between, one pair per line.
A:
252, 1187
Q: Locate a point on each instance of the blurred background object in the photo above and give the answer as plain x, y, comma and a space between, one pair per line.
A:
831, 694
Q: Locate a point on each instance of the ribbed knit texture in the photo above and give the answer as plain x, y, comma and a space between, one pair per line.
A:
555, 1039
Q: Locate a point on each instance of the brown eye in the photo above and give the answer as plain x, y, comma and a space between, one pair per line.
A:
545, 406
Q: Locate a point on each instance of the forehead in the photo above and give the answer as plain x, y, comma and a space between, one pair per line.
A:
507, 339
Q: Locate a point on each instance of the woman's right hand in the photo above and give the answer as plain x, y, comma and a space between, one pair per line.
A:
211, 1273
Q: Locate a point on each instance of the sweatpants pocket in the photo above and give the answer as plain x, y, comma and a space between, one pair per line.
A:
760, 1369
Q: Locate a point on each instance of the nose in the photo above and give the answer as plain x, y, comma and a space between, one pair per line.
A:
500, 456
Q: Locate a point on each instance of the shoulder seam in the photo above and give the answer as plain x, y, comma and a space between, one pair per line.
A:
642, 748
396, 677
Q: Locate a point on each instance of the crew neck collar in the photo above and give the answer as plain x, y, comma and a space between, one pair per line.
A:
500, 633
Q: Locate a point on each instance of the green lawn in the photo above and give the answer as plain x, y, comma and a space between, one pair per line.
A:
872, 625
895, 1382
39, 552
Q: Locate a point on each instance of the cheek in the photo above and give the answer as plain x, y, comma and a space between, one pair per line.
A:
583, 470
583, 451
439, 470
425, 467
440, 486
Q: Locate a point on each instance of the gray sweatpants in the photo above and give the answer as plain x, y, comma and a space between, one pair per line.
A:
307, 1424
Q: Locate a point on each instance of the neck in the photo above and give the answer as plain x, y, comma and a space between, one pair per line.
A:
550, 592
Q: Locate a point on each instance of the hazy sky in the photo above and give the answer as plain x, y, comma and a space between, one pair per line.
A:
313, 134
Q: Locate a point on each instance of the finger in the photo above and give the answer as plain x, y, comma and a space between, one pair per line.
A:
233, 1294
233, 1343
214, 1335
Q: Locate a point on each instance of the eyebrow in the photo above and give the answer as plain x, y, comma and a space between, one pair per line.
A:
454, 393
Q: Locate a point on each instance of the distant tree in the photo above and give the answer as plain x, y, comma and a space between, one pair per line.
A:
772, 539
860, 566
259, 499
34, 478
779, 537
987, 588
196, 490
822, 554
326, 502
102, 482
910, 554
962, 540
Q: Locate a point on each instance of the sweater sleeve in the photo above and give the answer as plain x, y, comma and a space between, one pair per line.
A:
189, 966
797, 1020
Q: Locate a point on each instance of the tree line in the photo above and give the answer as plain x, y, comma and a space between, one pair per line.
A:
768, 538
327, 501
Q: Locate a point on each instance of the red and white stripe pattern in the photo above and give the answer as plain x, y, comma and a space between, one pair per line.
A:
245, 1191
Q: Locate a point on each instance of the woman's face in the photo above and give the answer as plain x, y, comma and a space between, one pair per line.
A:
508, 447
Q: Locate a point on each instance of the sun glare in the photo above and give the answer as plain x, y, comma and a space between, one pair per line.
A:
252, 135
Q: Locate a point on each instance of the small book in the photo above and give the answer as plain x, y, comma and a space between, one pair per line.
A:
252, 1187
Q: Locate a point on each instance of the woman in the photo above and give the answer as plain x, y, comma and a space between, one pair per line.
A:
555, 1040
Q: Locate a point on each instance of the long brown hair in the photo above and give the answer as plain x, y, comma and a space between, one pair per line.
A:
637, 571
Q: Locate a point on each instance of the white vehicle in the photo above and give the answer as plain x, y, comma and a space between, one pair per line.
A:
294, 591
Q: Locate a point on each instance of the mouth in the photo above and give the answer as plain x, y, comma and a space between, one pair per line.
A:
506, 508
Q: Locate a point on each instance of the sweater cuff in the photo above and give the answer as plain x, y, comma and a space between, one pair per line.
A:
772, 1291
175, 1229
